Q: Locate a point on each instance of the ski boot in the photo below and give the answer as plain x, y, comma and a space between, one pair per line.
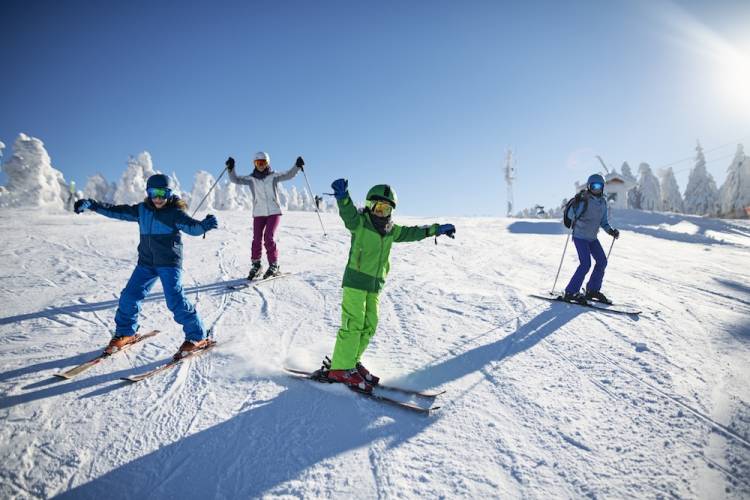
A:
189, 346
273, 270
351, 378
574, 297
254, 270
119, 342
597, 296
365, 373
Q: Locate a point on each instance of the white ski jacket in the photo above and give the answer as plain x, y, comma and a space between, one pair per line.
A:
265, 190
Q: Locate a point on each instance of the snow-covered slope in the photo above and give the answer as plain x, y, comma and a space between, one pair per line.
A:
543, 400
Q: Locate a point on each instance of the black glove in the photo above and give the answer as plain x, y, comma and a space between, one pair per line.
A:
229, 163
300, 163
614, 233
209, 223
81, 205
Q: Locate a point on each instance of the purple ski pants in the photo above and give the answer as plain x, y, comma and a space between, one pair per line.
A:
264, 229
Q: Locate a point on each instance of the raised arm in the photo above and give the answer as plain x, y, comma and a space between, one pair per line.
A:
120, 212
347, 211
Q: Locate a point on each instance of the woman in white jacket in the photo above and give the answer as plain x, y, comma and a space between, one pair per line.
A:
263, 184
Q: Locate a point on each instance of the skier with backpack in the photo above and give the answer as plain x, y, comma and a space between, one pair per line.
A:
263, 183
160, 217
585, 214
373, 233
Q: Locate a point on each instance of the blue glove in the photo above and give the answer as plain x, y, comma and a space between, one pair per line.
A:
340, 188
209, 223
81, 205
446, 229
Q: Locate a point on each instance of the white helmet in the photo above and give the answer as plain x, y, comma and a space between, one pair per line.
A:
262, 155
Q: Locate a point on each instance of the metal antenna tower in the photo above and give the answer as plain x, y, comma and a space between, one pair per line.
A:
510, 175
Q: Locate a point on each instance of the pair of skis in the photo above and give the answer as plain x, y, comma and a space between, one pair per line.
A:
600, 306
254, 282
86, 365
377, 393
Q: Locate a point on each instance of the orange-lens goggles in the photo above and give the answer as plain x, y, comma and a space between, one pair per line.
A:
382, 208
260, 163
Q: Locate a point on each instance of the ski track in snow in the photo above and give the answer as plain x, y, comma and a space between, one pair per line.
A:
544, 400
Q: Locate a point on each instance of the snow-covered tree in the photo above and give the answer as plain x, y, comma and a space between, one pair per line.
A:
294, 202
99, 189
132, 186
306, 201
634, 196
226, 196
671, 199
734, 195
283, 197
201, 186
701, 195
648, 189
177, 187
32, 181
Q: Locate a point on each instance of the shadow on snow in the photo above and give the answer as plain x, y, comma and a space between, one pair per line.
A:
108, 304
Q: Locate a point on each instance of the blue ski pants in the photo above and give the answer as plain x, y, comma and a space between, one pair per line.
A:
586, 249
139, 284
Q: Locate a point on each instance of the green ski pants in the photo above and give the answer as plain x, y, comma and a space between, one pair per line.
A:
359, 319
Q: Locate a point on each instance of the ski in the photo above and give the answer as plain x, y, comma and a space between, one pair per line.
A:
592, 305
254, 282
77, 370
305, 375
170, 364
403, 390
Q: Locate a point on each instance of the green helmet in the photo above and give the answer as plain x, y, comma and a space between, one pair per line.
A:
382, 192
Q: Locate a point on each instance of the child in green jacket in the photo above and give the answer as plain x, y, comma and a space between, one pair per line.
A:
373, 233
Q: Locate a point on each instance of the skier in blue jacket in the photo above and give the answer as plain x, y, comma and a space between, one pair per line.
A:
161, 217
588, 215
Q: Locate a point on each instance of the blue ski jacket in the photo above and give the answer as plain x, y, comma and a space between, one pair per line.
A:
160, 244
586, 223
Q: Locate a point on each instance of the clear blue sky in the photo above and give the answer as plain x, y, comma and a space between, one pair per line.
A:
424, 95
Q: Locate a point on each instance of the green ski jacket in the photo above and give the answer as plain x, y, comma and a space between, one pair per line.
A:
369, 255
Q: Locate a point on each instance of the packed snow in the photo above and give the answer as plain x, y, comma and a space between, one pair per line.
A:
543, 400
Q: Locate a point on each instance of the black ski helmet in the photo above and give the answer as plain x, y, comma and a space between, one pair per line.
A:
158, 181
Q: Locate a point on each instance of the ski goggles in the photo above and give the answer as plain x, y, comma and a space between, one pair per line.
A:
381, 208
597, 186
261, 163
159, 193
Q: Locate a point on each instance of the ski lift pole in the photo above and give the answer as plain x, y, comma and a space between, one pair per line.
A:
552, 292
209, 192
316, 206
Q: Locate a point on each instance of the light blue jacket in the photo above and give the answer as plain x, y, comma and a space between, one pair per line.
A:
586, 224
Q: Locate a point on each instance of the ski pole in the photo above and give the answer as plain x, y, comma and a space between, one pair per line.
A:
552, 292
316, 206
209, 192
610, 248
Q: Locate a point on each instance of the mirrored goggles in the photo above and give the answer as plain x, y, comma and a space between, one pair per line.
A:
261, 163
159, 193
597, 186
381, 208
